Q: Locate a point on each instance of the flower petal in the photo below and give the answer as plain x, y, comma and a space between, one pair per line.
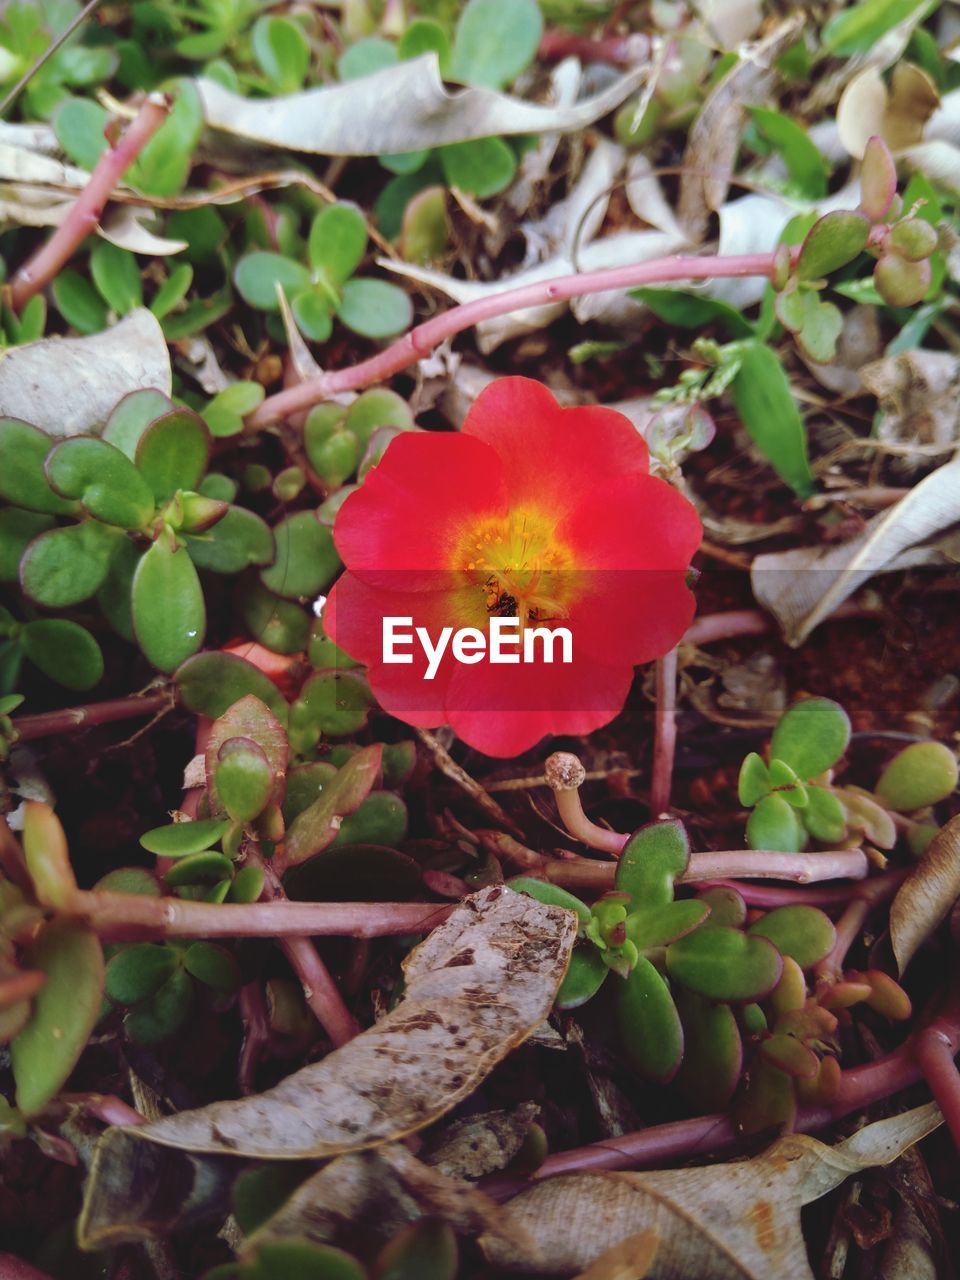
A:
553, 457
402, 526
630, 616
505, 710
634, 523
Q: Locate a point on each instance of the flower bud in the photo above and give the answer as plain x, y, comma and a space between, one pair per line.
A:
913, 239
901, 283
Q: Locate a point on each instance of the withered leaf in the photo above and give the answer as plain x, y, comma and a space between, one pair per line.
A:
736, 1221
927, 894
631, 1259
478, 1145
475, 988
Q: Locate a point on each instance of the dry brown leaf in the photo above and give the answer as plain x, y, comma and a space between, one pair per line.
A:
714, 138
729, 1222
631, 1259
478, 1145
379, 1192
898, 113
803, 586
917, 391
475, 989
927, 894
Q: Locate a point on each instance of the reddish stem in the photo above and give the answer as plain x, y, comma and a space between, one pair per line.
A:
729, 624
875, 891
87, 209
665, 735
935, 1052
422, 340
619, 51
48, 724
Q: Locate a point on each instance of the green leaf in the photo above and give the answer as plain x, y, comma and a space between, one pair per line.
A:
425, 233
366, 56
244, 779
225, 413
214, 966
64, 566
64, 1013
64, 651
423, 1250
481, 167
317, 826
763, 399
281, 49
258, 274
712, 1052
585, 975
785, 782
815, 324
421, 36
173, 453
78, 302
878, 180
806, 164
23, 481
103, 479
247, 885
79, 125
824, 817
158, 1017
199, 868
690, 311
241, 538
334, 457
652, 859
803, 933
381, 820
551, 895
338, 241
211, 683
922, 774
306, 560
377, 408
313, 311
811, 736
169, 616
374, 308
164, 164
18, 528
173, 290
649, 1023
774, 825
331, 704
754, 781
114, 593
178, 839
831, 243
117, 276
131, 417
858, 28
664, 922
138, 971
279, 625
724, 964
494, 41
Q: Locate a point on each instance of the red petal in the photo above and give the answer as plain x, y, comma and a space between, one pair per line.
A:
552, 457
402, 526
633, 524
505, 710
631, 616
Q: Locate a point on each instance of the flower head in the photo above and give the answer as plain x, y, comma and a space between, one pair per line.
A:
531, 512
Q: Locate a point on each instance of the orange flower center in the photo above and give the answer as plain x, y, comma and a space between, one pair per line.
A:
519, 566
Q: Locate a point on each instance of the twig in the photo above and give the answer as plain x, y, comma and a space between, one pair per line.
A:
449, 767
665, 735
124, 917
422, 340
87, 209
47, 724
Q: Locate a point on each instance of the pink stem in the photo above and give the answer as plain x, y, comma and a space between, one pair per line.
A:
769, 864
849, 926
936, 1048
422, 340
619, 51
665, 735
13, 1268
124, 917
729, 624
87, 209
48, 724
874, 891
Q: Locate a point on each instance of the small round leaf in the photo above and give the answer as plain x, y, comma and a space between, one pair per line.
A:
169, 616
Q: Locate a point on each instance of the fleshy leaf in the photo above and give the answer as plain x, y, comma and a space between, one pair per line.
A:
331, 703
179, 839
922, 774
551, 894
494, 41
211, 683
585, 976
169, 615
23, 480
132, 416
173, 453
64, 1012
306, 560
381, 819
831, 243
774, 825
824, 817
374, 308
713, 1051
239, 539
803, 933
251, 723
655, 926
652, 859
103, 479
754, 782
67, 565
649, 1023
724, 964
318, 825
138, 971
811, 736
258, 274
64, 651
338, 241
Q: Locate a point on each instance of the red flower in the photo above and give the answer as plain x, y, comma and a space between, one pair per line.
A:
531, 511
